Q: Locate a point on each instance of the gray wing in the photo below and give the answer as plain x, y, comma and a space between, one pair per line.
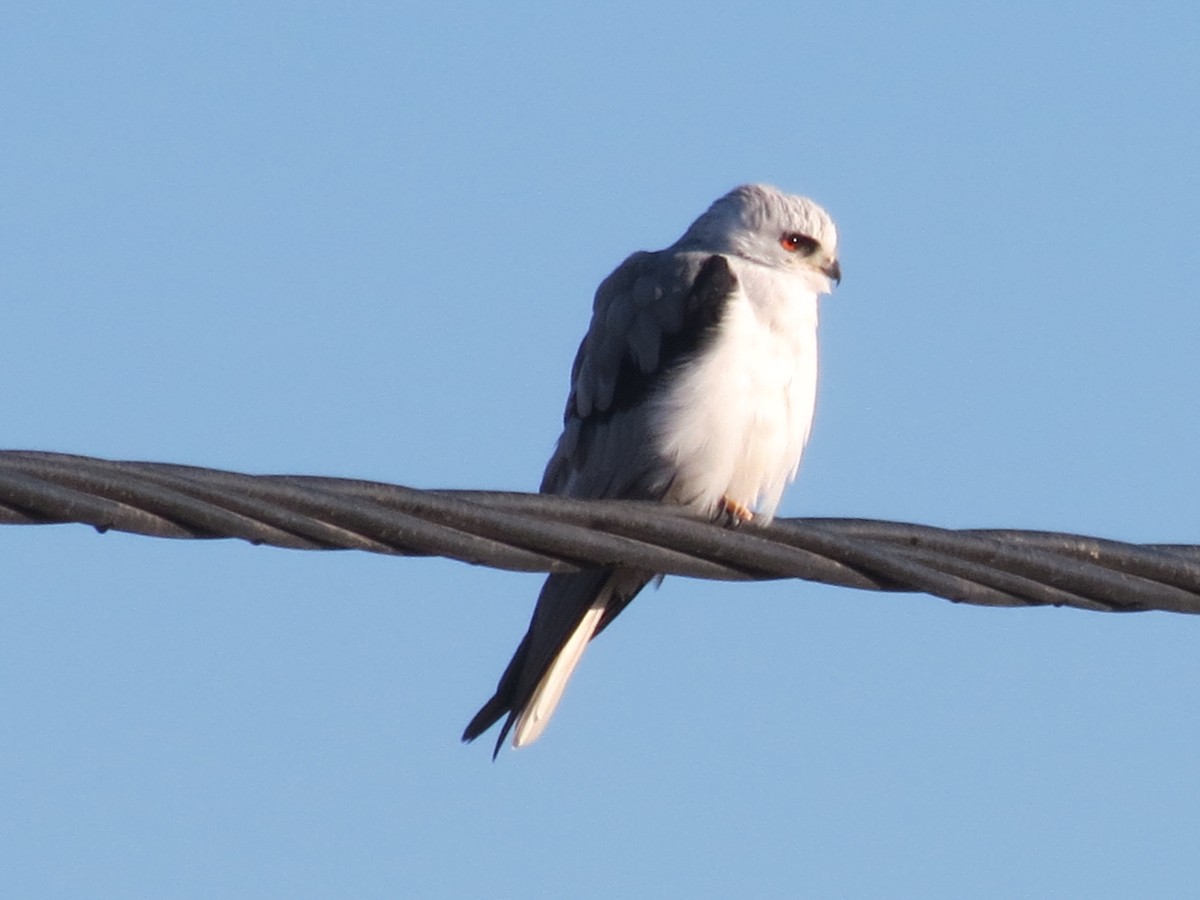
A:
650, 315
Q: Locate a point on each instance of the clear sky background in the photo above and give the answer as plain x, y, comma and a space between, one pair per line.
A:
361, 240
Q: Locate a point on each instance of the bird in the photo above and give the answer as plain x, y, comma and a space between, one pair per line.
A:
695, 385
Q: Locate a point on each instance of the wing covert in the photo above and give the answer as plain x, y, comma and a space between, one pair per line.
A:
654, 311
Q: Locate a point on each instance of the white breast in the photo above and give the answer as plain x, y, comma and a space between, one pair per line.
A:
735, 421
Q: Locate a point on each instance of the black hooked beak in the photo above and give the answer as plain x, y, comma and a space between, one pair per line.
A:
834, 271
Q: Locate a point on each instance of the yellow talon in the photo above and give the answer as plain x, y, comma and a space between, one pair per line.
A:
736, 511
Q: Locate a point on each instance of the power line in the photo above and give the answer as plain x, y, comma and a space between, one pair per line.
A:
534, 532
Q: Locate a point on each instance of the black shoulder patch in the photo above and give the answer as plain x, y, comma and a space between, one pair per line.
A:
703, 308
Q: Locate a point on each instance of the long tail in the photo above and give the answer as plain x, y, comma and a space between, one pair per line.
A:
533, 718
571, 610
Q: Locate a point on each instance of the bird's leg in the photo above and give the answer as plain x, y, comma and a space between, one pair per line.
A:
735, 513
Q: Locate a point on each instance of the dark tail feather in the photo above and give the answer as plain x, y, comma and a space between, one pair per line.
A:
501, 702
561, 606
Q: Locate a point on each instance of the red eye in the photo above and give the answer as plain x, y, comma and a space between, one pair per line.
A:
795, 242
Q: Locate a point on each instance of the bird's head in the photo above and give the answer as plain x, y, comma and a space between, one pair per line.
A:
765, 225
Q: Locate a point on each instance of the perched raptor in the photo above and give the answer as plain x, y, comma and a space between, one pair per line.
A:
694, 386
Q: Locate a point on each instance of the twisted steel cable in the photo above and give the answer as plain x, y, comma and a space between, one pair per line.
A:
535, 532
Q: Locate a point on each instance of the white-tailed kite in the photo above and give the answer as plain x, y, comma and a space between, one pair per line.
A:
694, 385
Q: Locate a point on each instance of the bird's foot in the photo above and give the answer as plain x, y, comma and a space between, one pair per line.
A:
734, 513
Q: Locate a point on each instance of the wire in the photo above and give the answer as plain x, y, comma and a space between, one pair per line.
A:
536, 532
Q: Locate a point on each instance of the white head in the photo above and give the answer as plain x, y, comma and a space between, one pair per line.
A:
762, 224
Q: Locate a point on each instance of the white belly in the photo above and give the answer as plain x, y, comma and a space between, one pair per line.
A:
735, 422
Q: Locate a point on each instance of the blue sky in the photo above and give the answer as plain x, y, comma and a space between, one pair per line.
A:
362, 241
